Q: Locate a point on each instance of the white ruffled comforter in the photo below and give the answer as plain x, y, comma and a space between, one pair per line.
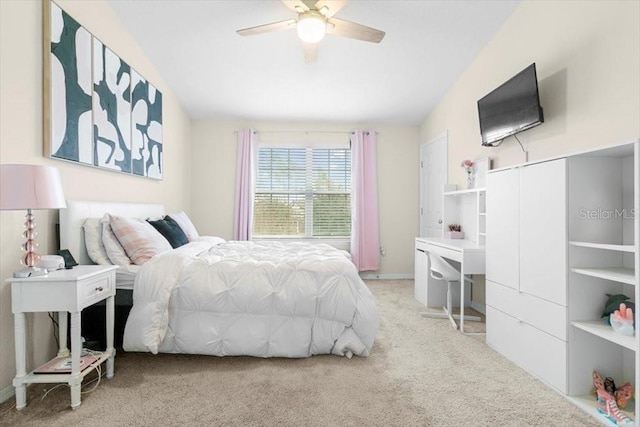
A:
264, 299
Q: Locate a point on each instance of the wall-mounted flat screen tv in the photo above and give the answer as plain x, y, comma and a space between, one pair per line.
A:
511, 108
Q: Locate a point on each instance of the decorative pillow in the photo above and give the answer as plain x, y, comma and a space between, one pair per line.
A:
93, 240
185, 224
114, 249
171, 231
139, 239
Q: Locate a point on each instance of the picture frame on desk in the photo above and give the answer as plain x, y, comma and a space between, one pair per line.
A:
480, 168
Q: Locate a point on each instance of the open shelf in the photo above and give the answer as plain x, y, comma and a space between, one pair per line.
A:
616, 274
63, 376
587, 403
466, 208
604, 331
609, 247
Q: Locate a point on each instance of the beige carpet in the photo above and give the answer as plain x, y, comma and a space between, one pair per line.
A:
421, 372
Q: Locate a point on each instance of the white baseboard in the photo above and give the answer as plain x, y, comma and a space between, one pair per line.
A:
386, 276
478, 307
7, 393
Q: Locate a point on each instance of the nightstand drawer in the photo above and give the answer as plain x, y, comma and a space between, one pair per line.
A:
96, 290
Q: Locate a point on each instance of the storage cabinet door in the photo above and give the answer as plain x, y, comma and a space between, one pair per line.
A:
504, 335
535, 351
528, 308
502, 248
543, 231
544, 356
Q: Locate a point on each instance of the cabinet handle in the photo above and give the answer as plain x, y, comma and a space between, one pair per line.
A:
99, 289
439, 221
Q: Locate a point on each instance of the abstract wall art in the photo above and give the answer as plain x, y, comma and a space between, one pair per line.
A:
111, 109
146, 119
70, 89
98, 110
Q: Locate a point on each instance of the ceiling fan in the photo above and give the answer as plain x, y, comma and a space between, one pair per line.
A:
314, 20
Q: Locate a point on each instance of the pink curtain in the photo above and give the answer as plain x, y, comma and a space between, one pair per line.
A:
365, 240
245, 179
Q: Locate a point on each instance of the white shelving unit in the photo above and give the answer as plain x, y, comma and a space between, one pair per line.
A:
603, 259
466, 208
559, 240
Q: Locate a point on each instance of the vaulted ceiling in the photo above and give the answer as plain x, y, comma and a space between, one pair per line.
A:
218, 74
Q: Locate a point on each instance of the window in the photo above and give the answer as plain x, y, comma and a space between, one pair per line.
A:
303, 193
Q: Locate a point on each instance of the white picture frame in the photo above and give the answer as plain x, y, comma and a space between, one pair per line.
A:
480, 168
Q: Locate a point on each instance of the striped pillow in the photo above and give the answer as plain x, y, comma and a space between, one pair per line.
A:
139, 239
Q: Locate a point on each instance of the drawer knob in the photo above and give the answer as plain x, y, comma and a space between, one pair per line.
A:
99, 289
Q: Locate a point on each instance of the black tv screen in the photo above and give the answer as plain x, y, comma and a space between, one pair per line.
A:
511, 108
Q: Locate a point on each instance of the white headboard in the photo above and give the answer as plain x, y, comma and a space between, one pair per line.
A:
77, 211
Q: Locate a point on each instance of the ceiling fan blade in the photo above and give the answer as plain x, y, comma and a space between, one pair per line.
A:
342, 28
266, 28
296, 5
310, 52
332, 7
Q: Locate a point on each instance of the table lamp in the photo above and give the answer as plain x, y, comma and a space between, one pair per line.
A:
30, 187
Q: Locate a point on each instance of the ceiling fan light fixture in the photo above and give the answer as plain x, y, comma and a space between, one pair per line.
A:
311, 27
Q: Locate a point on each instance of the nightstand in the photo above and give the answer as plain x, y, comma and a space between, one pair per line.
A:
64, 291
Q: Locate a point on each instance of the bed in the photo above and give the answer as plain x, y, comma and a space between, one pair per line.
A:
263, 299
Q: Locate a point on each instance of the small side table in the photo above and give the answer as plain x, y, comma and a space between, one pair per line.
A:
64, 291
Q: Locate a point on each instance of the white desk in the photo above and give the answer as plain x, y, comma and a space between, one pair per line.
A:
469, 254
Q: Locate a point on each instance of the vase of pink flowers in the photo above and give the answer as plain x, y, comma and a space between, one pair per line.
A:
468, 168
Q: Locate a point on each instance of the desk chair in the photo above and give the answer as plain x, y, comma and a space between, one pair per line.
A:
442, 270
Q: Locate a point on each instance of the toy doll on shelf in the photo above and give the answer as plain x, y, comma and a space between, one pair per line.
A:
612, 398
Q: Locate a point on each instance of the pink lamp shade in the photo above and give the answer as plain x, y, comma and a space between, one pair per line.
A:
30, 187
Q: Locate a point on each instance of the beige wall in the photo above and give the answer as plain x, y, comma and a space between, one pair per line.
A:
21, 142
587, 55
214, 166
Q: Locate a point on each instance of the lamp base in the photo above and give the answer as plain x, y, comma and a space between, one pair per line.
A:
31, 272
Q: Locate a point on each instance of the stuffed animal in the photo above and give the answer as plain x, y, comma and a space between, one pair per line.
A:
622, 320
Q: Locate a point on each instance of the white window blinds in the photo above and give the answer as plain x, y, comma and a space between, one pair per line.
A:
303, 192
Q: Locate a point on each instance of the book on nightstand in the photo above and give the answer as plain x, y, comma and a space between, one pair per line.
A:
62, 365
